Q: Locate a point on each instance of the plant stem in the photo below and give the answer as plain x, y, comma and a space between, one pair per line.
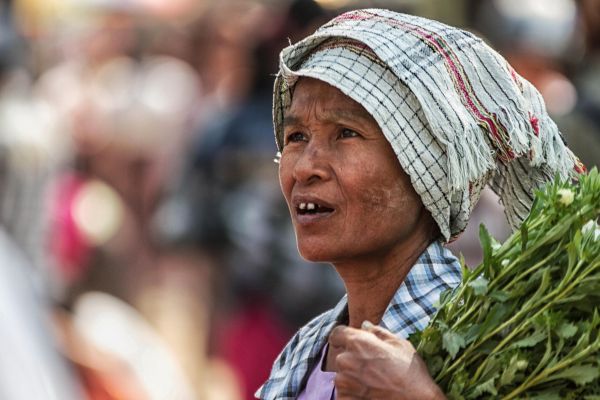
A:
552, 297
547, 372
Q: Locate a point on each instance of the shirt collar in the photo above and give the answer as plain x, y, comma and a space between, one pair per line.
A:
410, 309
413, 304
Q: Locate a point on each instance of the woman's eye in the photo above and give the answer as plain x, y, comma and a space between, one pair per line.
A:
295, 137
348, 133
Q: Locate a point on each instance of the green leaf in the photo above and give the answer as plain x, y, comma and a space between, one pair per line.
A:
545, 283
566, 330
479, 285
514, 365
452, 343
546, 395
524, 236
572, 252
486, 244
485, 387
577, 243
499, 295
465, 270
579, 374
472, 333
497, 314
530, 341
435, 364
429, 341
546, 301
445, 297
457, 385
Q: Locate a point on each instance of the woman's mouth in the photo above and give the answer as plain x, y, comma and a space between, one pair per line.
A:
310, 212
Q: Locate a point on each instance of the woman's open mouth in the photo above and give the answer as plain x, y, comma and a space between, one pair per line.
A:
309, 212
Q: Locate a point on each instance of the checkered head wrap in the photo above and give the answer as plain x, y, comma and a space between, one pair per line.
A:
456, 114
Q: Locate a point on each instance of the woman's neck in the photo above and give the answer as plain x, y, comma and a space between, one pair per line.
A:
372, 282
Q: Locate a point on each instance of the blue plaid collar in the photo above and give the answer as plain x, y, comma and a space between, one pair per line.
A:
409, 310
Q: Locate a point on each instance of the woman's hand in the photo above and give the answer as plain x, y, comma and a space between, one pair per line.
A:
375, 364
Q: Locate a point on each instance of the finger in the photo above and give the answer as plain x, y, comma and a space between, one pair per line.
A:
347, 362
346, 384
348, 387
340, 335
378, 331
346, 396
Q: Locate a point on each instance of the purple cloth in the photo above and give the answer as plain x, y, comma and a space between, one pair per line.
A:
320, 383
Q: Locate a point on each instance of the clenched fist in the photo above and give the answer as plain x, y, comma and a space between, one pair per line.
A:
374, 364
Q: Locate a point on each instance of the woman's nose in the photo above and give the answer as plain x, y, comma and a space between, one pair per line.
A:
313, 164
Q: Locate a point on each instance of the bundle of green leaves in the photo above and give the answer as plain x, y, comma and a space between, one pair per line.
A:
525, 324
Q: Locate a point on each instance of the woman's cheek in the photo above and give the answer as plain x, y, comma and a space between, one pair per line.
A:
285, 177
375, 200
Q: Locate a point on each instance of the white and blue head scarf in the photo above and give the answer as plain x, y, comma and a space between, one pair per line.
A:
456, 114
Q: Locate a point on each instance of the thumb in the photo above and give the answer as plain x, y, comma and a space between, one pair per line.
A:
378, 331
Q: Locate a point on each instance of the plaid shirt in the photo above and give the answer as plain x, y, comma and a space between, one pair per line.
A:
410, 309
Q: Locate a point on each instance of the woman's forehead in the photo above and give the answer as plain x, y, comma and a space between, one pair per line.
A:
311, 94
310, 89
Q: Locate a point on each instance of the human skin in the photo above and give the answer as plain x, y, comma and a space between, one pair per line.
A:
378, 365
372, 228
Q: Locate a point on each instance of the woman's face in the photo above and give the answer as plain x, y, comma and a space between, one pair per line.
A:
347, 194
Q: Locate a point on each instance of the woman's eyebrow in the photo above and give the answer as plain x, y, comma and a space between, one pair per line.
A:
348, 114
333, 115
291, 120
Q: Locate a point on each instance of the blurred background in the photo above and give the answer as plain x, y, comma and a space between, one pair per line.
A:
145, 249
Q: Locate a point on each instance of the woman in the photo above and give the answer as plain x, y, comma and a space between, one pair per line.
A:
388, 127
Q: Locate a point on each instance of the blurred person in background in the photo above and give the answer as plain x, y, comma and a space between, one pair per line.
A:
135, 324
585, 120
31, 366
554, 45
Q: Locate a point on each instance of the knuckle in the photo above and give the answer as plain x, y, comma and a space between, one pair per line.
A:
337, 334
361, 340
343, 360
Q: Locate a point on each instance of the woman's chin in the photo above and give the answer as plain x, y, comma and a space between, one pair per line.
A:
325, 254
313, 257
315, 253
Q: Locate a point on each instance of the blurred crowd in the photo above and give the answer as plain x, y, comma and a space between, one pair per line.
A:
146, 252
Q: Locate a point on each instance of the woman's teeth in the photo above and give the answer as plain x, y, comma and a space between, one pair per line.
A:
308, 206
305, 208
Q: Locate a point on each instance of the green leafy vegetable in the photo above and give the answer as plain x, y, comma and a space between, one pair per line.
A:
525, 324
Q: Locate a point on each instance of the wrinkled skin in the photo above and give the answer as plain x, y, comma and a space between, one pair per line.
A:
336, 154
372, 363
